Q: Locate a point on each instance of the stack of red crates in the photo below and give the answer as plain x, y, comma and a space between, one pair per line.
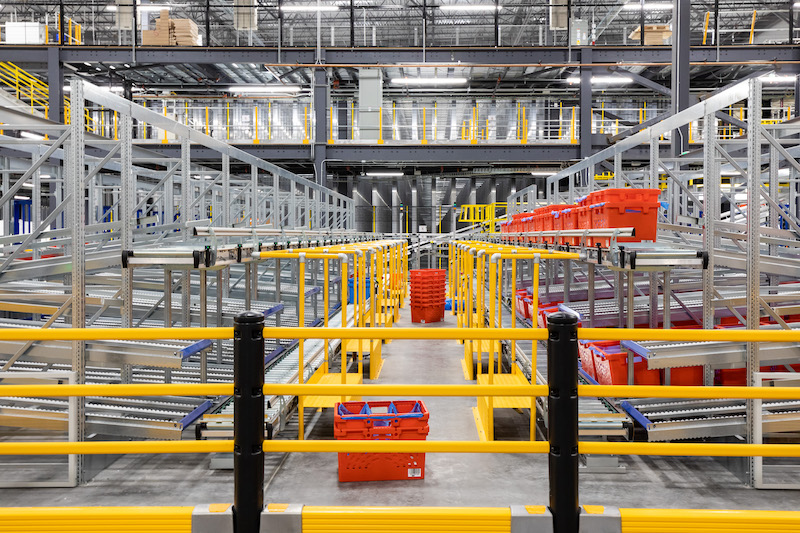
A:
381, 420
624, 208
428, 294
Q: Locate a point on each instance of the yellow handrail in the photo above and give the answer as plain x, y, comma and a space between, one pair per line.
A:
30, 89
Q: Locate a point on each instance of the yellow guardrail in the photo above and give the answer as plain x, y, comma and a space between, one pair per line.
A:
702, 449
487, 214
538, 334
30, 89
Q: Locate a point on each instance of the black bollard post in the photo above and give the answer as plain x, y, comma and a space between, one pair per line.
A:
248, 421
562, 421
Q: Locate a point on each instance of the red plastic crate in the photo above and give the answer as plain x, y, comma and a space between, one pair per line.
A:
427, 314
551, 208
629, 194
737, 377
586, 352
427, 273
641, 216
522, 308
689, 375
611, 368
381, 420
583, 221
548, 224
569, 221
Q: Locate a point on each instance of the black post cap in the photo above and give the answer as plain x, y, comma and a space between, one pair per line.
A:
249, 317
562, 319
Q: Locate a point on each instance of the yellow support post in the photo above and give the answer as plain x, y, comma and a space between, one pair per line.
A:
602, 117
573, 138
705, 27
752, 27
116, 137
560, 119
228, 121
474, 124
343, 369
394, 121
255, 127
380, 126
330, 120
301, 310
326, 307
165, 140
489, 422
424, 126
208, 130
463, 130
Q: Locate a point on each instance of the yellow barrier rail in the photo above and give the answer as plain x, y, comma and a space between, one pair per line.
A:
617, 334
490, 390
399, 446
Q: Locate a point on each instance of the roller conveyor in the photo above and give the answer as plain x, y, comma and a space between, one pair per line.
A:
283, 369
596, 417
694, 419
163, 417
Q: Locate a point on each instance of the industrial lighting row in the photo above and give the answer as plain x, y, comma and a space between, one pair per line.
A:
313, 8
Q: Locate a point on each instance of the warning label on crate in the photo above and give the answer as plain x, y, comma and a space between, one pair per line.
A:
414, 472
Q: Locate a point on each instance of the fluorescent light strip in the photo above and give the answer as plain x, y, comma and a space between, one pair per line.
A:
470, 7
29, 135
147, 8
428, 81
775, 78
385, 174
264, 89
309, 8
652, 6
543, 172
607, 80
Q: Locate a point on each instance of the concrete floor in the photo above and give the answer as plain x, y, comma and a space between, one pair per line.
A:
450, 479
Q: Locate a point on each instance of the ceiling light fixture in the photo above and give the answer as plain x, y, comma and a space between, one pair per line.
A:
775, 78
309, 8
652, 6
543, 172
470, 7
264, 89
34, 136
385, 174
428, 81
600, 80
147, 8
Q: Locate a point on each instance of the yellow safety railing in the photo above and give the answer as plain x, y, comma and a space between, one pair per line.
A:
488, 214
635, 448
34, 92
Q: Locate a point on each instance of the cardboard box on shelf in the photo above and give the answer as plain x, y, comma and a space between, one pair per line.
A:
185, 32
654, 34
155, 38
171, 32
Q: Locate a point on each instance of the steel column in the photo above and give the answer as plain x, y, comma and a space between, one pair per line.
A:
76, 221
754, 141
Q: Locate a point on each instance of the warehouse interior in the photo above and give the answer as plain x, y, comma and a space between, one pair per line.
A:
245, 243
